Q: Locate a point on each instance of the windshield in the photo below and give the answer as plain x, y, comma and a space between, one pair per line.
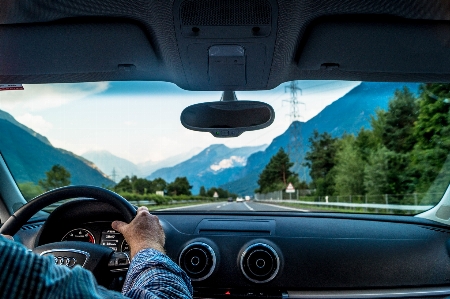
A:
359, 147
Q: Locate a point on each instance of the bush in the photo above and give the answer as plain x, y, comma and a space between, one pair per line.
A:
163, 200
30, 190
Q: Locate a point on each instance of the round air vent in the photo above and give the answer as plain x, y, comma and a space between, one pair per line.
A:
260, 263
198, 260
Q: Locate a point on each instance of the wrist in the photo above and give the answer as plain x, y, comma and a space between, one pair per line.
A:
134, 250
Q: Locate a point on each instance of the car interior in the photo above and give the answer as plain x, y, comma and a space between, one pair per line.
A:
228, 46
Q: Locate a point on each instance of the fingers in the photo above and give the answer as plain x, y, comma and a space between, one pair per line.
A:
143, 208
118, 226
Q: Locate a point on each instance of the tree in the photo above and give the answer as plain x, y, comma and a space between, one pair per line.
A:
56, 177
276, 173
349, 168
387, 173
159, 184
124, 185
432, 131
202, 191
179, 187
321, 160
141, 185
398, 132
366, 142
433, 121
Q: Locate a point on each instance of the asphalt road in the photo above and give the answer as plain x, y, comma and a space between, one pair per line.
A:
236, 206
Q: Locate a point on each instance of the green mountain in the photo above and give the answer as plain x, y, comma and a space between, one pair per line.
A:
29, 155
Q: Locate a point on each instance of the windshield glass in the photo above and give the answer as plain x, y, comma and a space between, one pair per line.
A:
359, 147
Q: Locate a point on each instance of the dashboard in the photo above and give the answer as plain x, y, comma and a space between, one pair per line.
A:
267, 255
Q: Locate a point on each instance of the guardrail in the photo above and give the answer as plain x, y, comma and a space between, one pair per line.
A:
375, 206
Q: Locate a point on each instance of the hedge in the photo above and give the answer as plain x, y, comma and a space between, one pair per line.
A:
163, 200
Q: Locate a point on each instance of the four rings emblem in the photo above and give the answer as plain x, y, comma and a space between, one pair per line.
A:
65, 261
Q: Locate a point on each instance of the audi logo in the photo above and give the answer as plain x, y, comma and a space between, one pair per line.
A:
65, 261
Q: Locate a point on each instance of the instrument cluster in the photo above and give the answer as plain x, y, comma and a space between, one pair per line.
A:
97, 233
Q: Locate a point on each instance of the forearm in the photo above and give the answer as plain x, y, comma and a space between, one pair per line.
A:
154, 275
25, 275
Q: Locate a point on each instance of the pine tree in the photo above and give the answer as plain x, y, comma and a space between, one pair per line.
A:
321, 160
276, 174
398, 130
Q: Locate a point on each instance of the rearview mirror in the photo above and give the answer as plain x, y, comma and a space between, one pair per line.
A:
228, 118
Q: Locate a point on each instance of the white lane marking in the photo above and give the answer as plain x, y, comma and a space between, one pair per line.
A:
251, 209
218, 207
282, 207
179, 208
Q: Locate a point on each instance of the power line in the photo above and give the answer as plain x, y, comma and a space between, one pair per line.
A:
114, 174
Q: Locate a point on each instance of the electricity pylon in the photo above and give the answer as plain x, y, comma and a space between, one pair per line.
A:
295, 144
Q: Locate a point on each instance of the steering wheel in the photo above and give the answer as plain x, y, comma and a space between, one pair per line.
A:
101, 260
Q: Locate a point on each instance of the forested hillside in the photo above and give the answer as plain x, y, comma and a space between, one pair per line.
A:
402, 155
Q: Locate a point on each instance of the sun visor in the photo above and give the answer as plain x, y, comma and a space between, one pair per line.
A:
122, 49
385, 46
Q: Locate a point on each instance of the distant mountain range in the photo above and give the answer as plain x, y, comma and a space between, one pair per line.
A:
348, 114
212, 167
29, 155
149, 167
117, 168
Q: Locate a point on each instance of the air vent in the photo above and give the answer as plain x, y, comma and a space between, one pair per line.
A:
437, 229
198, 260
225, 12
30, 226
260, 263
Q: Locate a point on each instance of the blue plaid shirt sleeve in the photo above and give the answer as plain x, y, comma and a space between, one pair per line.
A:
154, 275
24, 274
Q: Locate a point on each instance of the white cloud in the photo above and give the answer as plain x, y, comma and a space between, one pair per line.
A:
233, 161
39, 97
35, 122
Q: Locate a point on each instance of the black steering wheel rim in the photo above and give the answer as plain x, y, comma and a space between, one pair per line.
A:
21, 216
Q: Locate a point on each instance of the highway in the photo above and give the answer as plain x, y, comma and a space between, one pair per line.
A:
235, 206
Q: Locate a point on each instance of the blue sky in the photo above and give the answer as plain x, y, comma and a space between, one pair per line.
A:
139, 121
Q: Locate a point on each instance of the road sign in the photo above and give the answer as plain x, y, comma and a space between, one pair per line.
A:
290, 188
216, 195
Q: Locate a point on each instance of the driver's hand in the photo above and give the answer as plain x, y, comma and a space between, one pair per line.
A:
143, 232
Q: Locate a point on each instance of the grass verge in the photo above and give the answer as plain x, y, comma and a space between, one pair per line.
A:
314, 208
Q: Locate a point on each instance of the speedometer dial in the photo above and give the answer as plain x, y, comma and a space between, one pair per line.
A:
79, 234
